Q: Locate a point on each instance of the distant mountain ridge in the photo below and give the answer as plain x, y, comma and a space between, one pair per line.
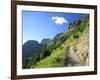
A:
45, 41
30, 47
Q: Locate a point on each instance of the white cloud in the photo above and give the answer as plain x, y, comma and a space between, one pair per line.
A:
59, 20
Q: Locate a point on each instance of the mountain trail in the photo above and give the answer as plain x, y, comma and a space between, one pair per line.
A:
72, 58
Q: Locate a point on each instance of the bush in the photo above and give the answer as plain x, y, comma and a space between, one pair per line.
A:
76, 36
58, 43
58, 60
80, 29
31, 61
51, 46
75, 49
45, 52
36, 58
61, 47
26, 63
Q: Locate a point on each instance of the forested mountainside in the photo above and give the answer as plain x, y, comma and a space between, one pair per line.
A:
69, 48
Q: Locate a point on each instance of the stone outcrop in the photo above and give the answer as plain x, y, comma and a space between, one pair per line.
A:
75, 24
81, 49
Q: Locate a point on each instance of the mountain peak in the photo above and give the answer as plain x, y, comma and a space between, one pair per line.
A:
45, 41
74, 24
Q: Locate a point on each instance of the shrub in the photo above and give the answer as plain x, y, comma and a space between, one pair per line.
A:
75, 49
26, 63
45, 52
36, 58
76, 36
51, 46
61, 47
58, 60
80, 29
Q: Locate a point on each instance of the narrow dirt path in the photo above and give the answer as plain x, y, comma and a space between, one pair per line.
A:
72, 58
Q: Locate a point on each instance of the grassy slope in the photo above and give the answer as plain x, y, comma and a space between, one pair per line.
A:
59, 55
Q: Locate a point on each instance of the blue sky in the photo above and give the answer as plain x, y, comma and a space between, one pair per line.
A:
40, 25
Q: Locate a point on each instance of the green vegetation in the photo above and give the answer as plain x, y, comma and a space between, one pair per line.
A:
76, 36
56, 59
54, 53
44, 53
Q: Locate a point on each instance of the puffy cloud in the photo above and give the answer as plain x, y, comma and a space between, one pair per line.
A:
59, 20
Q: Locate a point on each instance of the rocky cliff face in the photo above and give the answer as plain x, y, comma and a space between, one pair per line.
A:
75, 24
78, 53
81, 48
